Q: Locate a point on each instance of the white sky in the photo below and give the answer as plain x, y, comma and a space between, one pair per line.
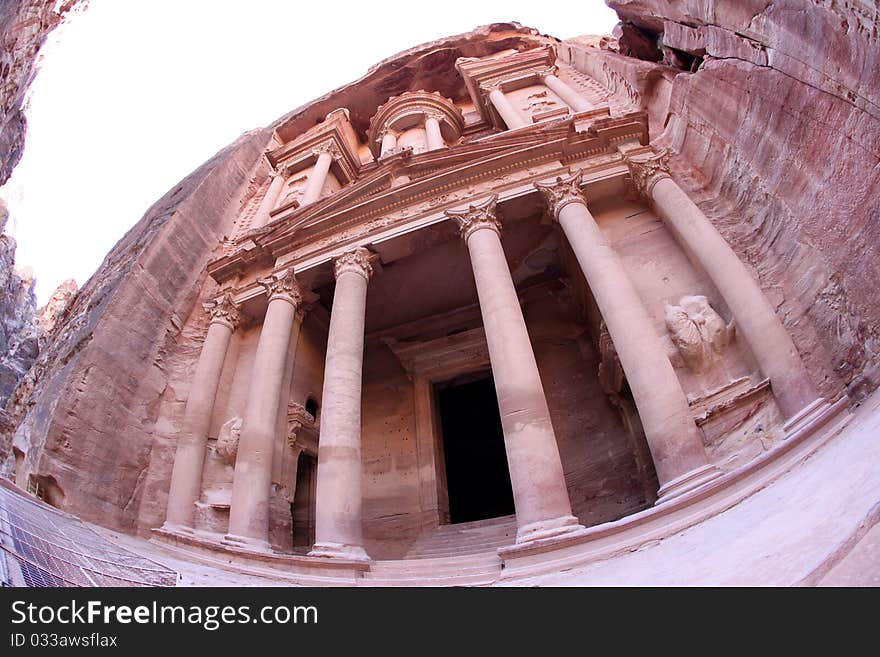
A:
133, 95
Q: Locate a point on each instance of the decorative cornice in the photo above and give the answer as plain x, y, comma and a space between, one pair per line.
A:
356, 261
283, 285
223, 311
562, 192
476, 217
648, 171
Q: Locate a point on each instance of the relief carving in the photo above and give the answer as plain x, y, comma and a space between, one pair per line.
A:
698, 332
227, 440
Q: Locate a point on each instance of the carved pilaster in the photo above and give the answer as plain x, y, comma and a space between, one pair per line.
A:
562, 192
357, 261
283, 285
476, 217
647, 171
224, 311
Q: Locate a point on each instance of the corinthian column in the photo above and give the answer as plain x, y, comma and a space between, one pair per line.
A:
270, 199
675, 441
318, 177
251, 488
568, 95
540, 496
389, 143
432, 129
756, 319
511, 116
189, 460
338, 530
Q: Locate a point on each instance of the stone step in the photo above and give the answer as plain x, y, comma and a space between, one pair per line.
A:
469, 580
463, 539
484, 560
434, 541
492, 524
423, 573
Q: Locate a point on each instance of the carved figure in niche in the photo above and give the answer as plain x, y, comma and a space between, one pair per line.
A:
698, 332
227, 440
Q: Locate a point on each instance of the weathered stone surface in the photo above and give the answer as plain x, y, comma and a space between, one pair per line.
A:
777, 137
24, 25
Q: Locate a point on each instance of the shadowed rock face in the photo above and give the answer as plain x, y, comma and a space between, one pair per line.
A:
776, 135
18, 335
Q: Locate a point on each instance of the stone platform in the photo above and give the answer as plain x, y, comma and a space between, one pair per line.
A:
789, 518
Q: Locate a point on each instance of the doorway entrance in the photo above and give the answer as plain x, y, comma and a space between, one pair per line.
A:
477, 478
303, 508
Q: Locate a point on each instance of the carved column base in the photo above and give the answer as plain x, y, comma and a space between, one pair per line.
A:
233, 540
543, 529
687, 482
339, 551
804, 417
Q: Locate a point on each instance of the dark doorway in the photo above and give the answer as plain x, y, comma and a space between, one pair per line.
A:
477, 478
303, 508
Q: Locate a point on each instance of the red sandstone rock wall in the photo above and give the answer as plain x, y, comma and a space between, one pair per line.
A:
87, 409
776, 134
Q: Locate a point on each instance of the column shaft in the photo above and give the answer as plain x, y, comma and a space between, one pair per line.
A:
251, 489
435, 137
186, 476
389, 143
338, 530
571, 97
318, 177
511, 116
543, 509
756, 319
269, 200
673, 437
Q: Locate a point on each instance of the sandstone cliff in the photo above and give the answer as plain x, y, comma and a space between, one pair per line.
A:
85, 413
18, 337
772, 113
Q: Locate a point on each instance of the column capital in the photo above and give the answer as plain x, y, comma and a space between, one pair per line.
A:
647, 170
327, 147
550, 70
439, 117
476, 217
283, 285
223, 310
560, 193
357, 261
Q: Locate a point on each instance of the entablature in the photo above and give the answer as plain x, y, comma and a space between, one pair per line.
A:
334, 135
407, 193
506, 71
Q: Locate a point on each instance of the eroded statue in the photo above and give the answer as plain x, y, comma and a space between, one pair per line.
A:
698, 332
227, 440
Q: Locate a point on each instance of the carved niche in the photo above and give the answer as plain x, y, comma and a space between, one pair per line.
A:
698, 332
